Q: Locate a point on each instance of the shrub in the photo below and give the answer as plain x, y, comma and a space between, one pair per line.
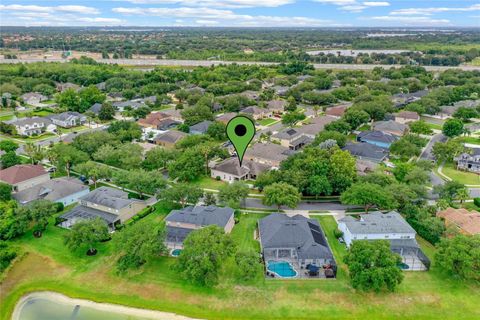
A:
338, 233
476, 201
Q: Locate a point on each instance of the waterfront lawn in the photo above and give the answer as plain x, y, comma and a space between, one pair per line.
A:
49, 266
463, 177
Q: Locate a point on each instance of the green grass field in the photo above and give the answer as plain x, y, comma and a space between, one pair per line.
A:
461, 176
472, 140
48, 265
267, 121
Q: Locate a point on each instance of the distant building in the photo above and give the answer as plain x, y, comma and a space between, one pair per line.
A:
24, 176
390, 126
337, 111
229, 170
63, 190
378, 138
405, 117
68, 85
402, 99
367, 151
111, 205
226, 117
169, 138
95, 108
33, 98
153, 119
276, 106
386, 226
181, 222
466, 222
267, 153
469, 162
68, 119
32, 126
201, 127
257, 113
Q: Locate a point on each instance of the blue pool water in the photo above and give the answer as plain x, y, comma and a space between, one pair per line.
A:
281, 268
176, 252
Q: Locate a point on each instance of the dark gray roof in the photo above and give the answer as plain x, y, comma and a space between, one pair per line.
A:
109, 197
201, 127
389, 125
52, 190
232, 166
305, 235
269, 151
201, 215
366, 150
377, 223
171, 136
287, 134
29, 121
176, 234
65, 116
85, 213
96, 108
377, 136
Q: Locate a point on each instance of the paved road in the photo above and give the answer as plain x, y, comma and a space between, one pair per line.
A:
257, 203
427, 152
207, 63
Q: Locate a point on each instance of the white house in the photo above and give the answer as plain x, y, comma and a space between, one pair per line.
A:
32, 126
68, 119
391, 227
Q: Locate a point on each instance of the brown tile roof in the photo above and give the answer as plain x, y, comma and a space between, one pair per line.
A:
153, 119
22, 172
408, 115
337, 111
467, 221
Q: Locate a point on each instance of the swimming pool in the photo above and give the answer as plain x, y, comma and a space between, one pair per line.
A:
176, 252
281, 268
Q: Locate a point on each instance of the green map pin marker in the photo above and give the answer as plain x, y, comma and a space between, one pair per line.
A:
240, 131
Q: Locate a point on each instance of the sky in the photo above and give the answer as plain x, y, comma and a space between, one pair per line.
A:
242, 13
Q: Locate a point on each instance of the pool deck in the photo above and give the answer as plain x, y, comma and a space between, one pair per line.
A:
301, 273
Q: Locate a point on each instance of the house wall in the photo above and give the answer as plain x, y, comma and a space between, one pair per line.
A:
31, 182
230, 224
350, 237
164, 144
73, 197
123, 213
227, 177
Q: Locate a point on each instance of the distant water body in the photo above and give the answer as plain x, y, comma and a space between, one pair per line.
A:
54, 306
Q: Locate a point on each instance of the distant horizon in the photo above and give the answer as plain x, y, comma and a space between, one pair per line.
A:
390, 28
243, 13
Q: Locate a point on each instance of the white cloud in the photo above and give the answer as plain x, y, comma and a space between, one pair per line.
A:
224, 17
431, 11
376, 3
353, 8
411, 21
34, 8
218, 3
337, 2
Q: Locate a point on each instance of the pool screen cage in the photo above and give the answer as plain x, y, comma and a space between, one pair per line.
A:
273, 254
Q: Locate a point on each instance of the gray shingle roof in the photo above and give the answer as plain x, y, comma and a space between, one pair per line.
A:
305, 235
171, 136
377, 223
109, 197
29, 121
366, 150
378, 136
85, 213
201, 127
68, 115
231, 166
52, 190
201, 215
269, 151
389, 125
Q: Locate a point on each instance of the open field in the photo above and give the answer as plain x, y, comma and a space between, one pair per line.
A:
425, 295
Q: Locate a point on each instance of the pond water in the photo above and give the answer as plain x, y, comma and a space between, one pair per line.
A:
51, 306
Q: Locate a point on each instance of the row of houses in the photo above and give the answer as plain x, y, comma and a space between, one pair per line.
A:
38, 125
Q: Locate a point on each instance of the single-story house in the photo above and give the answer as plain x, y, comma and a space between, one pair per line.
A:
315, 125
95, 108
405, 117
169, 138
229, 170
175, 114
152, 120
390, 126
24, 176
276, 106
63, 190
365, 167
386, 226
252, 95
257, 113
378, 138
181, 222
467, 222
292, 138
297, 241
33, 98
67, 85
32, 126
267, 153
111, 205
281, 91
226, 117
402, 99
367, 151
68, 119
201, 127
167, 124
337, 111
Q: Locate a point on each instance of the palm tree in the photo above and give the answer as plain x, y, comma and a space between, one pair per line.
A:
34, 152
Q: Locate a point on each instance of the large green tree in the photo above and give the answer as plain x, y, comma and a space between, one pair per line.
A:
203, 255
66, 156
94, 171
86, 234
372, 266
281, 194
452, 128
460, 256
233, 194
368, 195
141, 181
183, 194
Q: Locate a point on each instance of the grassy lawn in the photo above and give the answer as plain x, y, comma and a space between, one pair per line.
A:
364, 127
208, 183
48, 265
472, 140
267, 121
244, 231
461, 176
